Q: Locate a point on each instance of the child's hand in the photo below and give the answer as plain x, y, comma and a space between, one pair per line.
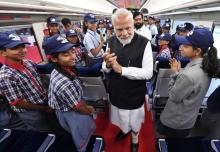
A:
48, 109
175, 65
91, 110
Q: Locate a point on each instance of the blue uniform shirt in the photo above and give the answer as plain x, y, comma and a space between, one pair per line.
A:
21, 83
64, 94
91, 41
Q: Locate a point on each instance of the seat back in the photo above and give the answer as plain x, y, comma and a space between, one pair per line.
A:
94, 92
215, 145
93, 89
49, 140
162, 145
190, 144
4, 133
98, 145
215, 83
161, 89
154, 54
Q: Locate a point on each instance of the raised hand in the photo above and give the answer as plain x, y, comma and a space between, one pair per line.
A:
175, 65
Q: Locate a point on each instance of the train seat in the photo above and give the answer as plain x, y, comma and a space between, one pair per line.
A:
17, 140
190, 144
215, 145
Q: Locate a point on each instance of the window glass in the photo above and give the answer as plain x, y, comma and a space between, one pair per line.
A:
27, 35
216, 35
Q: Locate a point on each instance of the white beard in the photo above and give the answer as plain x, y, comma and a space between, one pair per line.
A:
125, 41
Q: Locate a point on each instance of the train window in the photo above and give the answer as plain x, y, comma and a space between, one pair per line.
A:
27, 34
216, 35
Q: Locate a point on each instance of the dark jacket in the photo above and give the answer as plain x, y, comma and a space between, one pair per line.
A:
125, 93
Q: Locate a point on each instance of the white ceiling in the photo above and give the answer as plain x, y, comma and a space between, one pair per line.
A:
101, 7
95, 5
161, 6
65, 6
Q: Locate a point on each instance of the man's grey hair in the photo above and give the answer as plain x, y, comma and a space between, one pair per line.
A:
122, 12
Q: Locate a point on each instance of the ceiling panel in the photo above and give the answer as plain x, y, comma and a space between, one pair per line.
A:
160, 6
128, 3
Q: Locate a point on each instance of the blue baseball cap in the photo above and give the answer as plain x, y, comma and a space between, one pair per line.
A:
181, 27
71, 32
101, 22
200, 38
165, 36
10, 40
166, 25
52, 20
89, 17
56, 44
189, 26
109, 26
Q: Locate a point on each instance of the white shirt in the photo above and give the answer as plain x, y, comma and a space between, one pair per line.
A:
103, 30
153, 29
134, 73
145, 32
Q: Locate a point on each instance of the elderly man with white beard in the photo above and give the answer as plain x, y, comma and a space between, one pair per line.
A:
129, 64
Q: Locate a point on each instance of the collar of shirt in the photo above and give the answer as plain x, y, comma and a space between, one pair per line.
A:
140, 29
17, 66
194, 62
163, 47
91, 32
21, 68
70, 70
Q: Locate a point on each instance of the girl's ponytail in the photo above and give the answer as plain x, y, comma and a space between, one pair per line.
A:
210, 62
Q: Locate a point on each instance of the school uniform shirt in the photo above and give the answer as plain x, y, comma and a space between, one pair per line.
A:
91, 41
64, 94
186, 93
164, 53
145, 32
21, 82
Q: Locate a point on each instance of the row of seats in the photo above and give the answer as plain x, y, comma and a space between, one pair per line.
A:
26, 141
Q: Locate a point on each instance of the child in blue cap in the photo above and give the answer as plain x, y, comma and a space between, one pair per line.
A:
81, 56
164, 46
53, 25
65, 92
20, 83
188, 87
93, 41
72, 37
